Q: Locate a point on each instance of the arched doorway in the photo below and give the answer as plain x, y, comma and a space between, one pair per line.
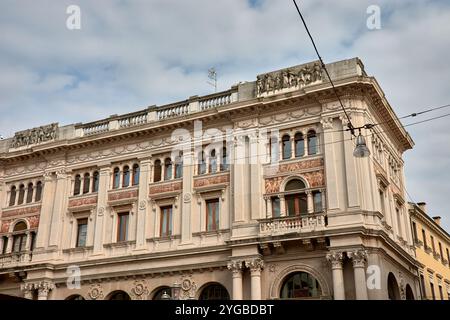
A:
75, 297
214, 291
160, 291
300, 285
393, 289
118, 295
409, 293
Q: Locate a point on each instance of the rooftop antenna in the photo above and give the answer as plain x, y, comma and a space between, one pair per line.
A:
212, 75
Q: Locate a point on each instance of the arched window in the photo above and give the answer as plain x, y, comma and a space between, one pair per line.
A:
86, 182
179, 166
157, 171
274, 150
299, 145
286, 141
201, 163
116, 178
212, 161
296, 203
12, 196
21, 194
75, 297
126, 176
409, 293
167, 169
312, 142
77, 185
300, 285
20, 237
214, 292
224, 164
38, 191
159, 292
29, 193
295, 184
95, 181
393, 289
135, 174
118, 295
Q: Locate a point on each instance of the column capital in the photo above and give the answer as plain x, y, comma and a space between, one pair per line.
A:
359, 257
27, 289
255, 264
44, 288
235, 266
335, 258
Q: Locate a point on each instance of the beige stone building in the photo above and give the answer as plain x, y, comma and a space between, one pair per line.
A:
432, 252
249, 193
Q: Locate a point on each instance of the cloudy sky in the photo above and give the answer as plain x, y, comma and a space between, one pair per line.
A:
132, 54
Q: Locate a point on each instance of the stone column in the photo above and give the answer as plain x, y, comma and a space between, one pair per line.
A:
269, 207
60, 196
28, 241
292, 147
144, 175
44, 288
359, 258
48, 193
102, 203
305, 143
27, 289
1, 244
9, 246
187, 202
283, 211
335, 258
236, 267
255, 266
310, 201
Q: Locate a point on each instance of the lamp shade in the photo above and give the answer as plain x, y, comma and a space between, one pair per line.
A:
361, 150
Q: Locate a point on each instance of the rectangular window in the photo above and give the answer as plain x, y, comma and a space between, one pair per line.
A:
441, 252
432, 290
432, 244
166, 221
399, 222
441, 294
296, 204
122, 226
448, 256
382, 206
422, 287
19, 242
275, 207
424, 238
212, 215
317, 196
81, 232
414, 229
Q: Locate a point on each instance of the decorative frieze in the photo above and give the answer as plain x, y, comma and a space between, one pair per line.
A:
85, 201
214, 180
34, 136
166, 187
292, 78
122, 195
21, 212
95, 292
315, 179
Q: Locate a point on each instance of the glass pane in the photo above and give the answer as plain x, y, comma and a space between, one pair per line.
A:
136, 173
275, 207
82, 234
317, 202
312, 143
299, 146
126, 177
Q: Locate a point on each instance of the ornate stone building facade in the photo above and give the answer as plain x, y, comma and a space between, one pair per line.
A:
278, 207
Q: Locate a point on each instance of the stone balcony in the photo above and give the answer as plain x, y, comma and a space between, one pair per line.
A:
292, 224
14, 260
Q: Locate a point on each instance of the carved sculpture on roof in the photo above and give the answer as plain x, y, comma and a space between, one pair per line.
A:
34, 136
296, 77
